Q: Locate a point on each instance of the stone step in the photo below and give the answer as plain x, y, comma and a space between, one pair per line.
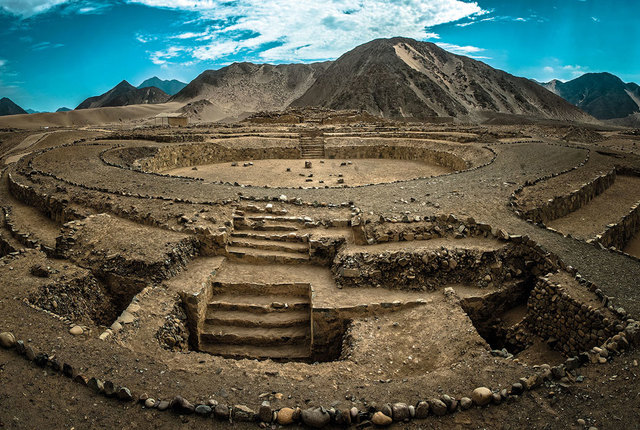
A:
257, 303
279, 218
276, 236
237, 335
264, 227
270, 245
282, 352
258, 256
270, 290
252, 319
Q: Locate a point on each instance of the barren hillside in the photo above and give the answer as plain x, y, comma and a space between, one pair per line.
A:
401, 77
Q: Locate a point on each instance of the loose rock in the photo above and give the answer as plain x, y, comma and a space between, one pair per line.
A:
7, 340
481, 396
381, 419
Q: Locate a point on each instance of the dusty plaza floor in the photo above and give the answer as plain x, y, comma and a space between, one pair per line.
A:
409, 265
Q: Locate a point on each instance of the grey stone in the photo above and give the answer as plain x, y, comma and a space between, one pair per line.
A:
422, 410
466, 403
265, 413
203, 410
438, 407
481, 396
315, 417
400, 412
243, 413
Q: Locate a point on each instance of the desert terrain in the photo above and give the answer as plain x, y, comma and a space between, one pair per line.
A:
401, 237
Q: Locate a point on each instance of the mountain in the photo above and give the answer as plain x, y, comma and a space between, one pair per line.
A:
247, 87
602, 95
63, 109
402, 77
170, 87
125, 94
30, 111
7, 107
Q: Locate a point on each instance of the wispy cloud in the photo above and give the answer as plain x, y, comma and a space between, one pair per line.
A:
46, 45
470, 51
287, 30
27, 8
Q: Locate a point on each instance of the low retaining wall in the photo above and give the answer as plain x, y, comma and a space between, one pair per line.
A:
619, 234
171, 157
560, 206
378, 148
554, 314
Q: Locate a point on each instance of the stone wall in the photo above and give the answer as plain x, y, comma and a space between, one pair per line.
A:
170, 157
569, 324
619, 234
53, 208
404, 149
425, 270
560, 206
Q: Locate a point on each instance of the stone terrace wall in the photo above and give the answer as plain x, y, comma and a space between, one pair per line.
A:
401, 149
55, 209
562, 205
423, 269
170, 157
553, 313
618, 234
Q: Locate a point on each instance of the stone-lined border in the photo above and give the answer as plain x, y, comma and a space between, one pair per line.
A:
399, 412
514, 195
318, 417
236, 184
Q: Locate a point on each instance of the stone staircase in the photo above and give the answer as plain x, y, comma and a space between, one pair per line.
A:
312, 146
258, 321
269, 239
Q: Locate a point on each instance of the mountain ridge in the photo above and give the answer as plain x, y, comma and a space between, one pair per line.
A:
125, 94
401, 77
171, 87
602, 95
8, 107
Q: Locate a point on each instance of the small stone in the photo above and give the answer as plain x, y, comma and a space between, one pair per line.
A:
109, 388
400, 412
96, 385
203, 410
381, 419
149, 403
481, 396
124, 394
517, 388
285, 416
422, 410
163, 405
243, 413
7, 340
466, 403
265, 413
316, 417
221, 411
581, 422
41, 359
76, 330
438, 407
181, 405
29, 353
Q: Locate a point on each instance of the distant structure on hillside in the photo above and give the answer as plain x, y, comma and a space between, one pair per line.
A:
171, 119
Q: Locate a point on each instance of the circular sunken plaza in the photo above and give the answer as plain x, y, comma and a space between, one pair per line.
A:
346, 275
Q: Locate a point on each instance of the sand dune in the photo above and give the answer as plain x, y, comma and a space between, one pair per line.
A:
84, 117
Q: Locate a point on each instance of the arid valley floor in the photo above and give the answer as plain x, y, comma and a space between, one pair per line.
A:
360, 271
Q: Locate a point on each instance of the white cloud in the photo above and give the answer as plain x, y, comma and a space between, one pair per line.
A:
27, 8
548, 69
469, 51
2, 62
311, 30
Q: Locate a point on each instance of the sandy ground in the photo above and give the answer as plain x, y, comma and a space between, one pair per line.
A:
633, 247
85, 117
322, 173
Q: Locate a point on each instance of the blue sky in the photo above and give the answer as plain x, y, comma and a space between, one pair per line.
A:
58, 52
